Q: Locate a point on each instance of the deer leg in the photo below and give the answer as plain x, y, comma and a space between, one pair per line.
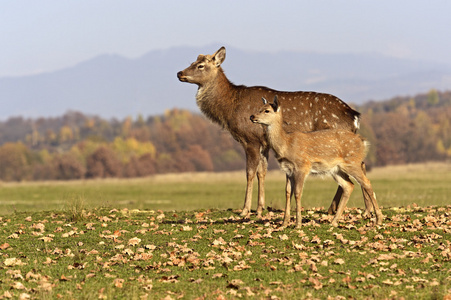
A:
366, 198
336, 201
288, 194
261, 173
369, 194
345, 182
298, 187
252, 162
367, 190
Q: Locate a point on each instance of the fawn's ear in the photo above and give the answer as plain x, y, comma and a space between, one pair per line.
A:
275, 105
219, 56
264, 101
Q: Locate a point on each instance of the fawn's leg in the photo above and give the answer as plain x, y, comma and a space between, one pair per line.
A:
338, 195
298, 187
261, 173
367, 190
366, 199
345, 182
288, 194
368, 193
333, 206
252, 162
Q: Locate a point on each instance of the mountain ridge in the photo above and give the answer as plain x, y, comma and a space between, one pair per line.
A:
111, 85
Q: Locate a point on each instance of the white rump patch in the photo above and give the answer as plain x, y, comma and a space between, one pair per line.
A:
357, 122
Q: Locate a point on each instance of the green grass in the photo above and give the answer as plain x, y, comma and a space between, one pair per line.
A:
208, 254
180, 236
426, 184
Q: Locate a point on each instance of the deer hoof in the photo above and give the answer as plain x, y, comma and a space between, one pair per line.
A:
334, 224
331, 211
366, 214
284, 224
245, 212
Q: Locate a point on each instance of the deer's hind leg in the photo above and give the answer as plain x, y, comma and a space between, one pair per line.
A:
338, 195
336, 201
346, 184
368, 194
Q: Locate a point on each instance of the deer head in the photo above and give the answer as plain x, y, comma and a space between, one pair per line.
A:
204, 69
268, 113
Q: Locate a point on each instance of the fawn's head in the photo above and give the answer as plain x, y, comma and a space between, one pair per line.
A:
204, 69
269, 113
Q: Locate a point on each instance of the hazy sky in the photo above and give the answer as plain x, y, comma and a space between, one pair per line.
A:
46, 35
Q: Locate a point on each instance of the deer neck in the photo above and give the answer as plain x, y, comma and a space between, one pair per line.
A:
277, 138
216, 98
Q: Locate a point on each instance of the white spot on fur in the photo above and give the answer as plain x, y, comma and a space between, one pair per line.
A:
335, 116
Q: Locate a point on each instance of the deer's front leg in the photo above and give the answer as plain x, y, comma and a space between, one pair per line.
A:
298, 188
261, 174
252, 163
288, 193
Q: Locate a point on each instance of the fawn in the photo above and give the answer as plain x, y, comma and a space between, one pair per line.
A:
336, 152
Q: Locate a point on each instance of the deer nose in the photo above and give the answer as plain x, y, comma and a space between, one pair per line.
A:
179, 74
252, 118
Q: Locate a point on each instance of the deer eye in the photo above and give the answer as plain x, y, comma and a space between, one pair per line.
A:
200, 67
267, 111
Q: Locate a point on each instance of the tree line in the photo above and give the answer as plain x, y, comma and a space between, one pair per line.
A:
75, 146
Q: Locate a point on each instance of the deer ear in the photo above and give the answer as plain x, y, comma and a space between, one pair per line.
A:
219, 56
264, 101
276, 104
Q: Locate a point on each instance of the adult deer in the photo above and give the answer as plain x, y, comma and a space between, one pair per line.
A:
231, 105
335, 152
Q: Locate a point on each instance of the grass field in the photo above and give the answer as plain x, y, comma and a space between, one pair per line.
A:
425, 184
181, 237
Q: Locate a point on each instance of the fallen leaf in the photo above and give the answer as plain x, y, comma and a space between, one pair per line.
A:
46, 239
18, 285
317, 285
283, 237
4, 246
134, 241
9, 262
118, 282
235, 284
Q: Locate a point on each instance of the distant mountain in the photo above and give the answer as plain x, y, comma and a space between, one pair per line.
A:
114, 86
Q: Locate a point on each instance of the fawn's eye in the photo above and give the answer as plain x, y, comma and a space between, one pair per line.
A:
266, 111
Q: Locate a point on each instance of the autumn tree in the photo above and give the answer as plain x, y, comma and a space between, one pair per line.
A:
68, 166
15, 161
103, 163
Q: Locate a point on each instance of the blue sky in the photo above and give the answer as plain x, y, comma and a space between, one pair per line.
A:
42, 36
